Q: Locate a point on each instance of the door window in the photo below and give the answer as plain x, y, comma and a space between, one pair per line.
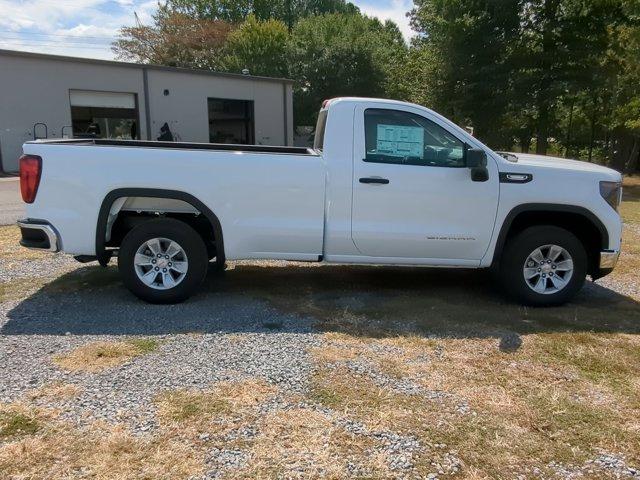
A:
394, 136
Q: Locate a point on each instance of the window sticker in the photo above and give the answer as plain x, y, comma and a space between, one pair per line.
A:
400, 141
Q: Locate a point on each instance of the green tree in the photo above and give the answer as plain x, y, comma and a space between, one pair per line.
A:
235, 11
562, 51
522, 69
625, 115
259, 46
466, 45
338, 55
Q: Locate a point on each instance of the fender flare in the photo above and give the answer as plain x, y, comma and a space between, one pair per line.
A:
112, 196
545, 207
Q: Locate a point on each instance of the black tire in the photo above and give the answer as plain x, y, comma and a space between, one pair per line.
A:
517, 252
174, 230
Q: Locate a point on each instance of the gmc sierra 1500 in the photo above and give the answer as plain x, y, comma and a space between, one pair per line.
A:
387, 182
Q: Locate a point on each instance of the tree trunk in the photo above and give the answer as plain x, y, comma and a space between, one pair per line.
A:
634, 157
525, 143
543, 128
592, 133
625, 150
568, 140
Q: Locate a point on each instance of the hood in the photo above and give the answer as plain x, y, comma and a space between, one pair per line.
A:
563, 164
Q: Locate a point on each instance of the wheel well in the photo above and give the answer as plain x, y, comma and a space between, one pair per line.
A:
124, 209
592, 236
126, 221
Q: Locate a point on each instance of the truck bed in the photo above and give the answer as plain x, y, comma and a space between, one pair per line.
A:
179, 145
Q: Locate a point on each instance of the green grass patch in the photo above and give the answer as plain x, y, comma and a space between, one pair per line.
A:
183, 405
326, 396
17, 423
144, 345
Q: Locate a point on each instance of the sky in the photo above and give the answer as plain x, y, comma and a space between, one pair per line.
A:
86, 28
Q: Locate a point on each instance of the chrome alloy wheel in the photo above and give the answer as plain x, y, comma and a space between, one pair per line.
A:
548, 269
161, 263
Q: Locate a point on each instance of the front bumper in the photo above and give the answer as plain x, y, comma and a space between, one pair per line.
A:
608, 261
38, 235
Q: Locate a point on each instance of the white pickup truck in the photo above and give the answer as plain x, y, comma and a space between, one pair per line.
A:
387, 183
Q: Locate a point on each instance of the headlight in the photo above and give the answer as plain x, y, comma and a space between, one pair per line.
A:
612, 193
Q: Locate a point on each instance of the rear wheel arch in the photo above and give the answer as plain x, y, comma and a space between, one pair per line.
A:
577, 220
115, 195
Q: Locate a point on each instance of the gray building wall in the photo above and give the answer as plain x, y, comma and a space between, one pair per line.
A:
35, 88
185, 107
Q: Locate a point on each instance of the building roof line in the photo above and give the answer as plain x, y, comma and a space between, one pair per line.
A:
115, 63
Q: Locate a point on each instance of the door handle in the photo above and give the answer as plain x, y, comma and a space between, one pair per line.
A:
382, 181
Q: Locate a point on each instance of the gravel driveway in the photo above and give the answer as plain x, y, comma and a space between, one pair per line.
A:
261, 322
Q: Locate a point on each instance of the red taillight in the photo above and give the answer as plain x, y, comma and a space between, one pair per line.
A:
30, 170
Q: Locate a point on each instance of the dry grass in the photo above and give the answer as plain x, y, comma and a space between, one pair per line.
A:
225, 398
630, 208
97, 356
297, 442
560, 397
53, 449
10, 248
303, 443
218, 411
42, 446
629, 262
55, 391
17, 289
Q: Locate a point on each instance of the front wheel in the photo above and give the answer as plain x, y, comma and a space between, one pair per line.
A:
543, 265
162, 261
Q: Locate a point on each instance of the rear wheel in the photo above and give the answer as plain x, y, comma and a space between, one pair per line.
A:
543, 265
162, 261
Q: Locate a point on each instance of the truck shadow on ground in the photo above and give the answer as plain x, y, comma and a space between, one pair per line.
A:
363, 301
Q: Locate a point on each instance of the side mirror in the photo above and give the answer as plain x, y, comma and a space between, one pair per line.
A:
476, 160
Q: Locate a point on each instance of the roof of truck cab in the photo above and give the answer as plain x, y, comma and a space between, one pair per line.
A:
332, 101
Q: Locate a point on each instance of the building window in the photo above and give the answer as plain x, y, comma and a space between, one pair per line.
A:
231, 121
104, 114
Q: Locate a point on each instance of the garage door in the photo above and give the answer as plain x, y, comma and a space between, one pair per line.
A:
104, 114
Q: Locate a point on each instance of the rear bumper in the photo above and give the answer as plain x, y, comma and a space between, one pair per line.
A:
38, 235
